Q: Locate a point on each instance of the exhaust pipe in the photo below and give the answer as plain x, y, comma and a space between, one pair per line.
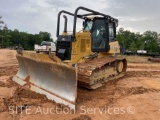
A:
65, 23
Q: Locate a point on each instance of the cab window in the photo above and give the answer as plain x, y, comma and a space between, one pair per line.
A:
111, 32
88, 25
98, 39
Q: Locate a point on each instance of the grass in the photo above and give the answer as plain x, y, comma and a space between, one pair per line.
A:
136, 59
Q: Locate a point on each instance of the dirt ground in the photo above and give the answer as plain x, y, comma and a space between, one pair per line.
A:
133, 97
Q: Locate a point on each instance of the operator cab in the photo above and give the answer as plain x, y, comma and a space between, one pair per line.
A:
102, 31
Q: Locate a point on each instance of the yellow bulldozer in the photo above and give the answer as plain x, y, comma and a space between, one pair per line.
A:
87, 58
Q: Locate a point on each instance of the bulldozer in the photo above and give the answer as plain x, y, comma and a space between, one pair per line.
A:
86, 58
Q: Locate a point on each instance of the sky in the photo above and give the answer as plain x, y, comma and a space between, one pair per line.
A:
33, 16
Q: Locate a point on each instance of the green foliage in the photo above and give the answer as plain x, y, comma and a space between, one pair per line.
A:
136, 41
24, 39
133, 46
130, 40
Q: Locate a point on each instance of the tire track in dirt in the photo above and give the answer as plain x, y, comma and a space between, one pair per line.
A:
8, 70
133, 73
112, 92
107, 95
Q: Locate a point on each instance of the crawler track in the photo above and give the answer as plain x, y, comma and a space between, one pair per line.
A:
95, 73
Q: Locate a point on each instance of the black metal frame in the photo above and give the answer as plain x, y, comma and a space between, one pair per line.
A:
75, 15
58, 20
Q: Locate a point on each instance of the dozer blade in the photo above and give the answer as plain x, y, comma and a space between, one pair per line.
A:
56, 81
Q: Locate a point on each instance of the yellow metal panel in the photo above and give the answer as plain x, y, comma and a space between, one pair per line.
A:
114, 49
82, 48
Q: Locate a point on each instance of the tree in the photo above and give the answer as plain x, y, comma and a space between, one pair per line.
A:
1, 35
136, 41
45, 36
151, 44
133, 47
125, 37
1, 22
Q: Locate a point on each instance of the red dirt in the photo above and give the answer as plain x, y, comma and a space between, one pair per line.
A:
133, 97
